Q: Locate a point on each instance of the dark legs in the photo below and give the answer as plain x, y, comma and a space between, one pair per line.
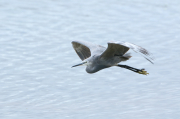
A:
140, 71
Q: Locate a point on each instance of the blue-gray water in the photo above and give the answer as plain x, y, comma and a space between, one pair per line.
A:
36, 55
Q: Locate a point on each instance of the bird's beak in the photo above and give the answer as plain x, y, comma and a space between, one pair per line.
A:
79, 64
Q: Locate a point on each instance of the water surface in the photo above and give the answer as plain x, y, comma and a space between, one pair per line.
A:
36, 56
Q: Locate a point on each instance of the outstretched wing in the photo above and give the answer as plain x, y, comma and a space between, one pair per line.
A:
86, 49
146, 54
116, 48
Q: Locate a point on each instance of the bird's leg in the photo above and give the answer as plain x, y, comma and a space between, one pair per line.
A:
140, 71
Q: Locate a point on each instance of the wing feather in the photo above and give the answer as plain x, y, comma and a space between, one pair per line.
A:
114, 49
146, 54
120, 48
86, 49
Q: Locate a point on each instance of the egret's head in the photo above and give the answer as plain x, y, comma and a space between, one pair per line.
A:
81, 64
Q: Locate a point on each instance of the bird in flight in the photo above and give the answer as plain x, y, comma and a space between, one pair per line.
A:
97, 57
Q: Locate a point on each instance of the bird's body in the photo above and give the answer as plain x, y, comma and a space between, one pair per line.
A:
97, 57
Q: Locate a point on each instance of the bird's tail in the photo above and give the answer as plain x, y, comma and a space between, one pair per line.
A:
126, 57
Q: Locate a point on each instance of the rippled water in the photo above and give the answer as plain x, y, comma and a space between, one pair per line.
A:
36, 55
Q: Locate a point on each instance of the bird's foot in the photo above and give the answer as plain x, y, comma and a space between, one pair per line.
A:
142, 71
